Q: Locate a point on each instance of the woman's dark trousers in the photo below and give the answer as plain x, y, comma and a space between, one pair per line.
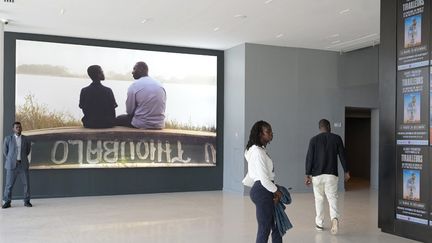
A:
263, 200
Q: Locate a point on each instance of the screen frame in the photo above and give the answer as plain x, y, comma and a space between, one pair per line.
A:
98, 181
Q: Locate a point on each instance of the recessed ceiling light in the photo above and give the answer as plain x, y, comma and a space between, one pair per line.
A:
62, 11
240, 16
279, 36
335, 42
216, 29
146, 20
345, 11
268, 1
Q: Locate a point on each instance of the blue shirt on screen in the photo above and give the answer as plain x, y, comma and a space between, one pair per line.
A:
146, 101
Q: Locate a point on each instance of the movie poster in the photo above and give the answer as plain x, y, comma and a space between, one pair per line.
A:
50, 105
413, 113
412, 184
412, 107
413, 34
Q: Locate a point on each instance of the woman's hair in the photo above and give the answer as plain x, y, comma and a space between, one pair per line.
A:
255, 133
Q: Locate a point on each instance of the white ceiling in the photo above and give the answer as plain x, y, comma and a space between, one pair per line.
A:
338, 25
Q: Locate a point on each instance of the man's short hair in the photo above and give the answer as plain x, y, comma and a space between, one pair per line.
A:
324, 123
93, 71
143, 67
16, 123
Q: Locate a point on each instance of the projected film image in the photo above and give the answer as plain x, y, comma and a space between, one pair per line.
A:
128, 119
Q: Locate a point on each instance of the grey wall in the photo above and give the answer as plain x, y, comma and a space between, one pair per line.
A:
234, 103
359, 67
292, 89
358, 77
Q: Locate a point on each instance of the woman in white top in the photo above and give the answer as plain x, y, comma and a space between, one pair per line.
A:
260, 177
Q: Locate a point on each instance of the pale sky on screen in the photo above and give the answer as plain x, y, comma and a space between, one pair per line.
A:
78, 57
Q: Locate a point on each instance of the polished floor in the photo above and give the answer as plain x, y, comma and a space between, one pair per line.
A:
204, 217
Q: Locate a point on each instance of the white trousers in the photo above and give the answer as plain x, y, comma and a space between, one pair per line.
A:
325, 185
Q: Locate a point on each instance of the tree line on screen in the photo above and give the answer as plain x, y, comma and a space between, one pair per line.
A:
62, 71
34, 115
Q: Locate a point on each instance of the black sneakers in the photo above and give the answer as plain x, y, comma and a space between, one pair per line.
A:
6, 205
28, 204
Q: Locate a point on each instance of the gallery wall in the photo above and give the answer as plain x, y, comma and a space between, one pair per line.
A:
293, 88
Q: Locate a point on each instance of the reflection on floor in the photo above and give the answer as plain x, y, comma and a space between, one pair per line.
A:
201, 217
357, 183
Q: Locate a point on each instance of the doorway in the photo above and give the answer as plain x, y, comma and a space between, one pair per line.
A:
358, 147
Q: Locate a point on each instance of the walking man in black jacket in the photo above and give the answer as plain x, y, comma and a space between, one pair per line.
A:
322, 172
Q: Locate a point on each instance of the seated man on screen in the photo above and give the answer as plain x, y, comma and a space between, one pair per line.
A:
145, 103
97, 101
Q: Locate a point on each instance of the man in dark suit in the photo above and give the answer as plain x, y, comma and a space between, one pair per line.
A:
16, 149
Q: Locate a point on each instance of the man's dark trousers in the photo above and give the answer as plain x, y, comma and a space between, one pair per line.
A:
11, 176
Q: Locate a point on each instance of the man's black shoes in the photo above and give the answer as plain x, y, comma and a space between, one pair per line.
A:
6, 205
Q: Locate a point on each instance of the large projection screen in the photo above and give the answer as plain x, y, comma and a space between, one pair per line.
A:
44, 77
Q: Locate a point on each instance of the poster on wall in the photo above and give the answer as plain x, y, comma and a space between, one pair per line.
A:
49, 104
413, 34
413, 107
412, 184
